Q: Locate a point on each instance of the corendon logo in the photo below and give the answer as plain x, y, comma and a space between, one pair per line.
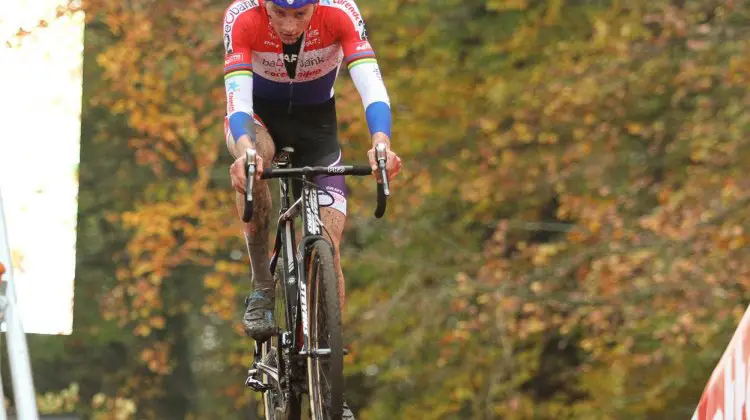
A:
349, 8
356, 17
308, 73
274, 73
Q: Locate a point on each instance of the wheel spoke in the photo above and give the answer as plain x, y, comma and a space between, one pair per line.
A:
325, 357
276, 405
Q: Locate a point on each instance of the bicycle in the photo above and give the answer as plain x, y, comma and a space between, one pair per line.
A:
308, 316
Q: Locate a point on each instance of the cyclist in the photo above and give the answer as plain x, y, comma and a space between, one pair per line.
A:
281, 60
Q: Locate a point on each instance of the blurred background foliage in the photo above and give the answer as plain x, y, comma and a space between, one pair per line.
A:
568, 239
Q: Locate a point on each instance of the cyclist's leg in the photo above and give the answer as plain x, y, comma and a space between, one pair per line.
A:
256, 232
332, 214
334, 220
316, 144
258, 325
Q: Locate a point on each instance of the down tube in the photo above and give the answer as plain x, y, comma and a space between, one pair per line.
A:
290, 262
311, 226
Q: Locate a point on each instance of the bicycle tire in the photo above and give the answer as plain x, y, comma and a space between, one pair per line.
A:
293, 409
324, 320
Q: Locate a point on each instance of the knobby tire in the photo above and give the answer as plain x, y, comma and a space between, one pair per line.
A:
293, 409
325, 374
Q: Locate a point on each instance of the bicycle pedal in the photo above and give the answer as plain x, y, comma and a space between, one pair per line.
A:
256, 385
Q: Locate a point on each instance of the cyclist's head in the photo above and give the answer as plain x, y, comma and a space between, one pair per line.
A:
290, 18
292, 4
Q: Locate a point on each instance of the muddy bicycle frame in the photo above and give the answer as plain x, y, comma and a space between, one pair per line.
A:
296, 338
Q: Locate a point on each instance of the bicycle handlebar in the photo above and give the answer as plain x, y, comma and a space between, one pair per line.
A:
384, 190
358, 170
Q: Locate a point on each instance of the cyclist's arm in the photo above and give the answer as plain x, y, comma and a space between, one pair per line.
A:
363, 68
238, 80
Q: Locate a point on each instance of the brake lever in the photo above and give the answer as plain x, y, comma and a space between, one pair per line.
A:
250, 155
381, 156
383, 189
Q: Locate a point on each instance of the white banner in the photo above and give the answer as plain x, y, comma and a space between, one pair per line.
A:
40, 107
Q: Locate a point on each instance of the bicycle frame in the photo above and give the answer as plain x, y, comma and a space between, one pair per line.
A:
293, 274
295, 341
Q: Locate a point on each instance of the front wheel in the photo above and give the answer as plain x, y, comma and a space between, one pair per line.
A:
325, 361
271, 353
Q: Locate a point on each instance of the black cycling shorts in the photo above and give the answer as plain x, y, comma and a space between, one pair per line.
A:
313, 133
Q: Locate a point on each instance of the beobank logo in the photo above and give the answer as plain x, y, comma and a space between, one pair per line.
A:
727, 393
236, 9
230, 17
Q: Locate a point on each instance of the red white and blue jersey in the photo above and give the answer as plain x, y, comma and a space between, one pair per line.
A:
254, 62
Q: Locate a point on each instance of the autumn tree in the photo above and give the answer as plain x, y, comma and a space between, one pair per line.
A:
567, 239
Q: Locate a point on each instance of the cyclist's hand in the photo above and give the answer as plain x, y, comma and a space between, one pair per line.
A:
237, 172
392, 161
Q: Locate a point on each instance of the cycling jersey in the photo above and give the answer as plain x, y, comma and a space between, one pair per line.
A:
254, 63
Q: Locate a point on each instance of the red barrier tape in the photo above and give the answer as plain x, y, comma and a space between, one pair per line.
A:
727, 393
